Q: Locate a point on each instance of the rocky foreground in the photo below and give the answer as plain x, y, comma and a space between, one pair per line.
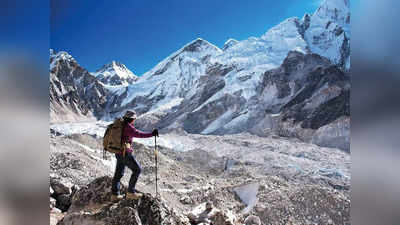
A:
230, 179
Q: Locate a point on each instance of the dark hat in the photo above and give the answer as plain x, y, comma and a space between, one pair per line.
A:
130, 114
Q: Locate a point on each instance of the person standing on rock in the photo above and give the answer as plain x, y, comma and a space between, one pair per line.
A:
127, 159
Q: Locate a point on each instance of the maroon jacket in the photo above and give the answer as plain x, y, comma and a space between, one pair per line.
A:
130, 132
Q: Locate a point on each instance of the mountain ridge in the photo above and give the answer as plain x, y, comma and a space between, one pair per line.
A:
203, 89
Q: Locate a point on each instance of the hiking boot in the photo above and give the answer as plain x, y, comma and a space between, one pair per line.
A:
116, 198
133, 196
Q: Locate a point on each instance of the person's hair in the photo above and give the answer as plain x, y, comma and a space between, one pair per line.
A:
128, 120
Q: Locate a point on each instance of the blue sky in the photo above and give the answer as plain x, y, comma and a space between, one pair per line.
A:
142, 33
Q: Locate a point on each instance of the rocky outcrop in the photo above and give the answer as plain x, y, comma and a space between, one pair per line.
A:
61, 192
93, 195
308, 93
91, 205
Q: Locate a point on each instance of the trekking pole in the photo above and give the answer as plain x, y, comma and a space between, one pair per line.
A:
155, 155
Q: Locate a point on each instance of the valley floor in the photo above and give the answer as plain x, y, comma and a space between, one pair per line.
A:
297, 182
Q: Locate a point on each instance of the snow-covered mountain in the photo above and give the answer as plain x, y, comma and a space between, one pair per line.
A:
327, 31
230, 42
75, 94
115, 73
175, 77
273, 84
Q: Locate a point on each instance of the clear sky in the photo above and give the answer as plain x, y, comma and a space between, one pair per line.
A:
140, 34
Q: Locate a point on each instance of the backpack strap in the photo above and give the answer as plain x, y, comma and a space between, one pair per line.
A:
122, 138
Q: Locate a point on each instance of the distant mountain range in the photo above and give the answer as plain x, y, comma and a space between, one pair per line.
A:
292, 81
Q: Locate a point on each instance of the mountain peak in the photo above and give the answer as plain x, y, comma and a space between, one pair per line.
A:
336, 10
115, 73
58, 56
195, 50
61, 55
112, 65
198, 45
289, 25
230, 42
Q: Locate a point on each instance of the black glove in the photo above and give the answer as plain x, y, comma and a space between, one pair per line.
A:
155, 132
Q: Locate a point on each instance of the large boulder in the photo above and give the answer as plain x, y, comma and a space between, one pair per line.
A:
252, 220
207, 214
63, 202
147, 210
92, 205
59, 187
94, 194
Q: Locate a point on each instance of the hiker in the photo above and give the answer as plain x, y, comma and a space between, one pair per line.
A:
127, 159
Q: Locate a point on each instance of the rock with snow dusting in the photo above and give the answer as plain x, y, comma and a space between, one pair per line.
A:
205, 214
52, 203
252, 220
60, 187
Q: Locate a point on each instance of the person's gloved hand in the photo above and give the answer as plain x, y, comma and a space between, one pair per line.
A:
155, 132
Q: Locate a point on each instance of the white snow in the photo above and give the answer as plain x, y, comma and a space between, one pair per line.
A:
169, 104
137, 89
239, 121
224, 118
115, 70
269, 50
181, 71
248, 194
90, 128
230, 42
322, 40
116, 89
177, 77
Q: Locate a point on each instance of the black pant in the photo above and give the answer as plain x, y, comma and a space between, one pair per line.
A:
129, 161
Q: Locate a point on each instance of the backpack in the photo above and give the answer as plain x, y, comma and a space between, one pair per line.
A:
112, 140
